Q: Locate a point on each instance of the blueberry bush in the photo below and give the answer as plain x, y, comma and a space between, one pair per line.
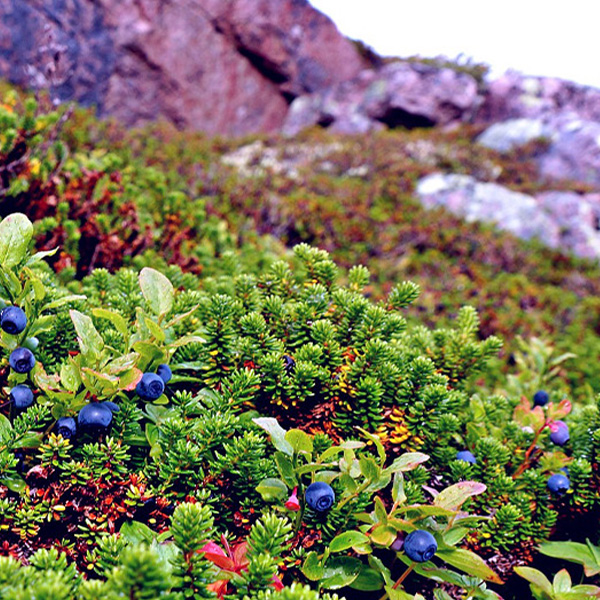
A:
196, 405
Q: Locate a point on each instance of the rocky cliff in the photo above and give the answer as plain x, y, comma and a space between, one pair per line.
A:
220, 66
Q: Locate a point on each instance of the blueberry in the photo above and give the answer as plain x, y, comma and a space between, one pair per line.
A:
420, 545
561, 436
21, 396
540, 398
13, 320
290, 364
94, 418
558, 484
66, 427
150, 387
319, 496
111, 406
21, 360
466, 456
164, 372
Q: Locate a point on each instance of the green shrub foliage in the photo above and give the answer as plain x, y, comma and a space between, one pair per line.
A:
289, 368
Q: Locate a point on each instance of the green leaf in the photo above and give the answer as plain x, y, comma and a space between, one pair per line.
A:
469, 562
277, 433
454, 535
330, 452
562, 581
157, 290
286, 469
38, 256
115, 318
573, 551
312, 568
407, 462
369, 468
64, 300
272, 489
340, 571
537, 578
16, 232
453, 497
398, 495
378, 445
15, 483
384, 535
368, 580
377, 564
299, 440
5, 428
69, 376
346, 540
137, 533
90, 341
582, 592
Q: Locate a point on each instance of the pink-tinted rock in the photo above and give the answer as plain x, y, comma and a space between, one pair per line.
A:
574, 153
219, 67
515, 96
291, 43
401, 94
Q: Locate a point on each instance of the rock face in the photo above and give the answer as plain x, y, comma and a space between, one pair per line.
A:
219, 66
558, 219
399, 94
514, 96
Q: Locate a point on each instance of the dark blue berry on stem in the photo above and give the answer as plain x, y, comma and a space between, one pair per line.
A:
559, 433
558, 484
66, 427
540, 398
466, 456
150, 387
21, 396
420, 545
319, 496
94, 418
21, 360
13, 320
111, 406
164, 372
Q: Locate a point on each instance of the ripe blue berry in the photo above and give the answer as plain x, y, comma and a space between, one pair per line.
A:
21, 360
111, 406
66, 427
466, 456
150, 387
319, 496
94, 418
164, 372
420, 545
561, 436
21, 396
13, 320
540, 398
558, 484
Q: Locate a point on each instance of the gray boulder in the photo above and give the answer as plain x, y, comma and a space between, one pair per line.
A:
401, 94
565, 220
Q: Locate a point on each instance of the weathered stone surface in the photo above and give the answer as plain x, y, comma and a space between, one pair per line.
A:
558, 219
509, 134
574, 153
515, 96
297, 47
401, 94
223, 67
